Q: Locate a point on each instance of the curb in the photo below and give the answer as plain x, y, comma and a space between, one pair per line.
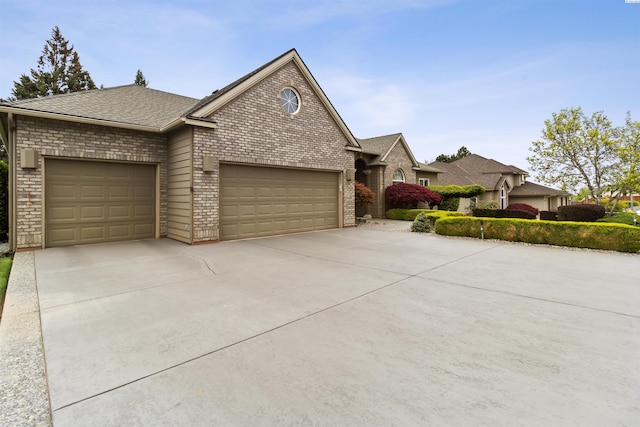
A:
24, 393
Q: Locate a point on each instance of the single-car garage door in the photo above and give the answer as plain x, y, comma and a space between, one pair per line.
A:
262, 201
92, 202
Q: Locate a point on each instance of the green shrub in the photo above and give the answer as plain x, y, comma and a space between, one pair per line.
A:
396, 213
421, 224
450, 204
621, 218
616, 237
432, 215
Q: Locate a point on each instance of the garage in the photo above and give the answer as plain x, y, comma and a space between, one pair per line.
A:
263, 201
95, 202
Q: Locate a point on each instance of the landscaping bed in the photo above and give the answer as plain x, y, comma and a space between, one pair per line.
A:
607, 236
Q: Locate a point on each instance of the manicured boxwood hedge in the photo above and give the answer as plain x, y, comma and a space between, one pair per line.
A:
615, 237
411, 214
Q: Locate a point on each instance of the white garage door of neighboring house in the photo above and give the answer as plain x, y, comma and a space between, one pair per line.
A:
93, 202
263, 201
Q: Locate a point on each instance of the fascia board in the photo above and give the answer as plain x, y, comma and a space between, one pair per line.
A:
76, 119
224, 99
229, 96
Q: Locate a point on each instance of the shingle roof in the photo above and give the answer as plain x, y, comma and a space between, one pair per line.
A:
533, 189
131, 104
378, 145
219, 92
428, 168
478, 164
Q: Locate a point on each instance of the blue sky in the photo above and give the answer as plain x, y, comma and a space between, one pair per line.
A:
445, 73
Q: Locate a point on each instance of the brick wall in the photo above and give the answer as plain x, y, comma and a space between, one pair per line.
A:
62, 139
255, 129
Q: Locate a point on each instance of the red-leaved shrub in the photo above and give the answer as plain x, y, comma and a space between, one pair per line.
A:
523, 207
409, 195
548, 215
587, 213
514, 213
364, 195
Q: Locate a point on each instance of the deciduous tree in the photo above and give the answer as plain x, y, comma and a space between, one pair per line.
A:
575, 150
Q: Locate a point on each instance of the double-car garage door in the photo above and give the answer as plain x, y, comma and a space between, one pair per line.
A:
264, 201
92, 202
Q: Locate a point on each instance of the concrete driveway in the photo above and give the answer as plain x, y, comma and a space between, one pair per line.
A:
345, 327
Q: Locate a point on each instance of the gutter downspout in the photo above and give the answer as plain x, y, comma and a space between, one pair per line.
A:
11, 148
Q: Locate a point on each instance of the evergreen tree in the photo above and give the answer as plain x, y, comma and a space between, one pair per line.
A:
59, 71
462, 152
140, 80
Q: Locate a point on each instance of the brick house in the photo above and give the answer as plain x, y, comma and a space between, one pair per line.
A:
387, 160
505, 184
267, 154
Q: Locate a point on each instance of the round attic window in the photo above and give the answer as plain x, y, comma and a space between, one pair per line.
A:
290, 100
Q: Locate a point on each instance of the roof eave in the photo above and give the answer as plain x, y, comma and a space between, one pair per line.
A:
78, 119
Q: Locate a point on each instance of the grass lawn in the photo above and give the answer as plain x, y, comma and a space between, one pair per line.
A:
5, 268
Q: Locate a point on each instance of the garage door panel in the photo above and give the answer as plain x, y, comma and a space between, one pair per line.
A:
262, 201
92, 213
91, 202
96, 232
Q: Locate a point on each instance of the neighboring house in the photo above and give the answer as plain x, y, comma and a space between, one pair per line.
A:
387, 160
505, 184
267, 154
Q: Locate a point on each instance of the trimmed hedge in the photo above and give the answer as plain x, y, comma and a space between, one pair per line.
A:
523, 207
411, 214
614, 237
448, 191
549, 215
397, 213
502, 213
484, 212
586, 213
515, 213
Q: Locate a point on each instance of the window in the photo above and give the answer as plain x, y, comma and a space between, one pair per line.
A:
503, 197
398, 177
290, 100
423, 181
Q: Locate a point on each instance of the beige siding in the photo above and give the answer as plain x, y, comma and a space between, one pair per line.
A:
539, 202
179, 203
